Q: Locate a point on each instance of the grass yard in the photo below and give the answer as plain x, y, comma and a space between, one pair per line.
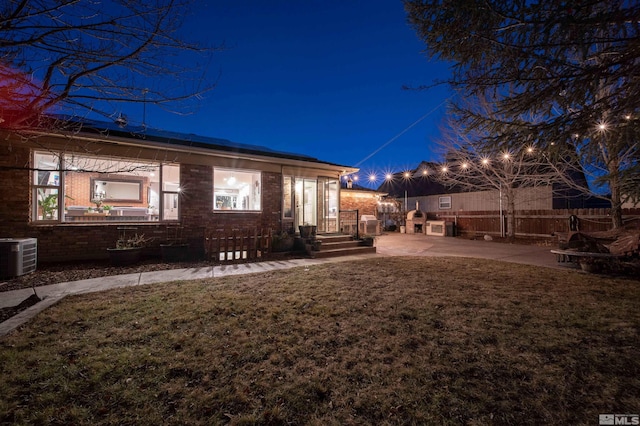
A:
378, 341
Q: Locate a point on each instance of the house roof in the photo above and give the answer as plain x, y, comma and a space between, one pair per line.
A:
415, 185
356, 187
142, 134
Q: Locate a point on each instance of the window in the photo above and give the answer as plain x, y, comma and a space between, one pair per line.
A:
46, 186
287, 197
103, 189
236, 190
444, 203
170, 192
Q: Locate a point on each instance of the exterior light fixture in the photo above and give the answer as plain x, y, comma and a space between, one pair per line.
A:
388, 176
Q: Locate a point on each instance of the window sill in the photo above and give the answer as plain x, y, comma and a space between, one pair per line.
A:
237, 211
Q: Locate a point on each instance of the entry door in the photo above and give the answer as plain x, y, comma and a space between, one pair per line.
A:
328, 204
306, 199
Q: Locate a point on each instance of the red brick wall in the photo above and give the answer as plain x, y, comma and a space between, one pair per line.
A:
272, 201
364, 201
14, 191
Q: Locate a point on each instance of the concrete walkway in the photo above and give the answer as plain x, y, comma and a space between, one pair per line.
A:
423, 245
387, 245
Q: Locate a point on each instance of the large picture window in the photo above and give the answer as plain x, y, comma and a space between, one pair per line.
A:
235, 190
77, 188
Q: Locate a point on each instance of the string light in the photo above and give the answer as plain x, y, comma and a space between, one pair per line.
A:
466, 165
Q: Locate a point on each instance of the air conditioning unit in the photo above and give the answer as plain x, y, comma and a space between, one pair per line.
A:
436, 227
18, 256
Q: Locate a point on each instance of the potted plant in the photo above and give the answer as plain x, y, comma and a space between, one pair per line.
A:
282, 241
49, 205
367, 240
307, 231
176, 249
98, 202
128, 248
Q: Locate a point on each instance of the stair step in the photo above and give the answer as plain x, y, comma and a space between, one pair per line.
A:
343, 252
334, 238
338, 245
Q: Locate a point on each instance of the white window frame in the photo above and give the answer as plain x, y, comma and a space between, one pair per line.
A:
232, 205
37, 187
444, 203
164, 192
60, 187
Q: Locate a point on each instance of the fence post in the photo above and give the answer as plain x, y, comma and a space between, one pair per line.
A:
234, 241
254, 247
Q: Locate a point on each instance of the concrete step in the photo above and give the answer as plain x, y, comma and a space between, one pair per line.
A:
338, 245
342, 252
334, 238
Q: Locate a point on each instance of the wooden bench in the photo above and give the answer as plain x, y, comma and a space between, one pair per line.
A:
573, 256
594, 263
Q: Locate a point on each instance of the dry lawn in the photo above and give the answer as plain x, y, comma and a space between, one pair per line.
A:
379, 341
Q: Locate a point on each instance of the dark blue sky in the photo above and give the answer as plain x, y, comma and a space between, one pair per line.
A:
321, 78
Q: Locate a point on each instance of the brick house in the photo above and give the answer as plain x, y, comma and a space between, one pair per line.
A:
74, 189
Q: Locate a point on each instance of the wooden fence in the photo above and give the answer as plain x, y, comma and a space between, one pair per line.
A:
228, 245
537, 223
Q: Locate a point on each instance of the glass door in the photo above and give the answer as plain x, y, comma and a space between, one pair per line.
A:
328, 204
306, 199
322, 205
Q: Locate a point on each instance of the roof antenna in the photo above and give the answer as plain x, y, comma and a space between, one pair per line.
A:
144, 107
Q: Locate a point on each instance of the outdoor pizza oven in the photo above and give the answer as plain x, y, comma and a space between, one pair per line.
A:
416, 222
369, 224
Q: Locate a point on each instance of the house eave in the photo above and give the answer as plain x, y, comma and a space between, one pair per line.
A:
199, 150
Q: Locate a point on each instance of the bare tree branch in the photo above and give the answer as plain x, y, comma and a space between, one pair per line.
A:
89, 54
473, 162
